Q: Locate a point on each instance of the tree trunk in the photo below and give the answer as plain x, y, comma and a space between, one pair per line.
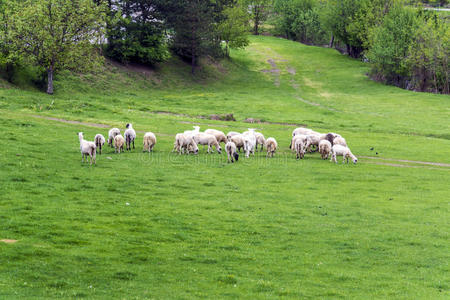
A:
50, 80
331, 41
193, 63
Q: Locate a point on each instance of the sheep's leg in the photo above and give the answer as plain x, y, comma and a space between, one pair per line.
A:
133, 145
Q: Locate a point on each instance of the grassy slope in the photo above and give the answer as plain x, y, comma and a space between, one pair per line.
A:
196, 226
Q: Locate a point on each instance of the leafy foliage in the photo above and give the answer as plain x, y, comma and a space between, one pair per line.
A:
56, 34
233, 29
299, 20
259, 11
135, 32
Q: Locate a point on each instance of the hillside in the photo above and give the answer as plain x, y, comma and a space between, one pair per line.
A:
163, 225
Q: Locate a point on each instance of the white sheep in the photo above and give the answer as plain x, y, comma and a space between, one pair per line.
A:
301, 137
149, 141
220, 136
271, 146
249, 142
230, 148
87, 149
185, 143
202, 138
312, 140
260, 140
238, 140
119, 141
130, 136
302, 131
111, 135
231, 134
99, 141
339, 140
339, 150
324, 148
299, 146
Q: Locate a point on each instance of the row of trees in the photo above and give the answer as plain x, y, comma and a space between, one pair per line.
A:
406, 45
76, 34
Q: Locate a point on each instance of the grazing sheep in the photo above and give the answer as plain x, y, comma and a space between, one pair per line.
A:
301, 137
130, 136
271, 146
202, 138
238, 140
149, 141
249, 142
230, 148
302, 131
119, 141
324, 149
111, 135
260, 140
340, 141
231, 134
99, 141
219, 135
185, 143
339, 150
312, 140
87, 149
299, 146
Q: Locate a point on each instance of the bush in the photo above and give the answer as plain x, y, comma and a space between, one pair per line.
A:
298, 20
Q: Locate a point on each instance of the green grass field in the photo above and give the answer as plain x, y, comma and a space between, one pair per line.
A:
197, 227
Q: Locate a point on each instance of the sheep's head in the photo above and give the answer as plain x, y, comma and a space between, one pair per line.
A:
80, 135
354, 159
196, 128
236, 156
219, 150
128, 125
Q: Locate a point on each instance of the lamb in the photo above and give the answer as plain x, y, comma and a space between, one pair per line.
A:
249, 142
111, 135
185, 142
219, 135
340, 141
260, 140
231, 134
238, 140
99, 141
87, 149
299, 146
149, 141
119, 141
339, 150
130, 136
202, 138
271, 146
324, 149
230, 148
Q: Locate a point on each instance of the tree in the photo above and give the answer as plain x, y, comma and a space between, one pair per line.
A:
193, 25
390, 44
233, 29
350, 21
135, 32
428, 57
298, 20
259, 10
57, 34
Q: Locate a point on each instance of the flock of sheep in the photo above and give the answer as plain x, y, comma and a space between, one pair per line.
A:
303, 140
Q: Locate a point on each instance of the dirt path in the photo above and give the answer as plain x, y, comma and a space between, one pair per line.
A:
409, 161
274, 70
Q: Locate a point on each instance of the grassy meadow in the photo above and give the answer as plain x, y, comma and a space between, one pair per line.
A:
164, 226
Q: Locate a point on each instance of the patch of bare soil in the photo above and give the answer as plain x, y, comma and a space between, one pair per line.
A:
72, 122
7, 241
275, 70
291, 70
